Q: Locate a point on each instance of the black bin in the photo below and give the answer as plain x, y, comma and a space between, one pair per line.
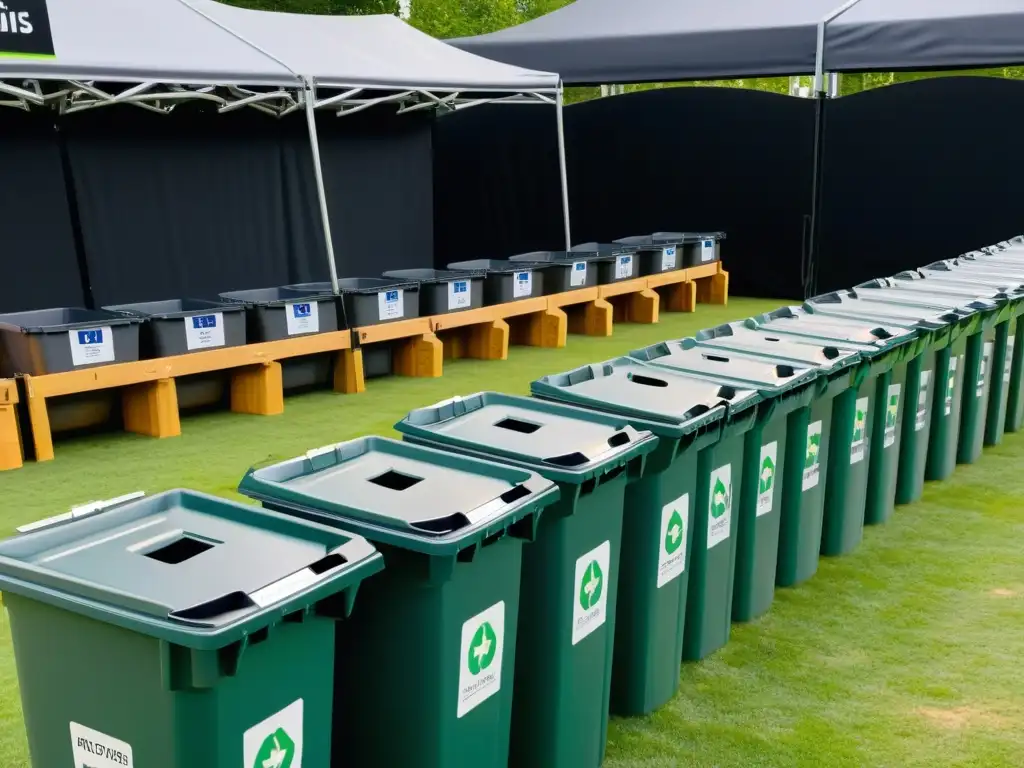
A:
615, 262
181, 326
64, 339
563, 270
666, 251
506, 280
443, 291
373, 300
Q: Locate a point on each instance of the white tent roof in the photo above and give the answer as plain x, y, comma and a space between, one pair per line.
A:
144, 40
370, 51
203, 42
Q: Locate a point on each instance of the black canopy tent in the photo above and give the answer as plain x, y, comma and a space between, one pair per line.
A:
606, 41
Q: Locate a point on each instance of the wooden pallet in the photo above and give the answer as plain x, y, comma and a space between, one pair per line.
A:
149, 392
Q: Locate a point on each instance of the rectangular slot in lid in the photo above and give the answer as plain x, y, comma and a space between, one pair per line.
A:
395, 481
180, 549
517, 425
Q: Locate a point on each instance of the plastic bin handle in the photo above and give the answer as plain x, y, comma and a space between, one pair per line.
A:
80, 511
234, 605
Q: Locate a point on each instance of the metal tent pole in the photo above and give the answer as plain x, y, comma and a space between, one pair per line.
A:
561, 168
318, 173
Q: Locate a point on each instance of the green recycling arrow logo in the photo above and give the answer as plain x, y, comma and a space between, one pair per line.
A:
482, 648
892, 411
719, 499
767, 477
277, 751
951, 384
813, 444
591, 586
858, 426
674, 533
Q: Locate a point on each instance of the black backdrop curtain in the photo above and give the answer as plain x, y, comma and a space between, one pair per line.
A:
681, 158
195, 203
918, 172
38, 265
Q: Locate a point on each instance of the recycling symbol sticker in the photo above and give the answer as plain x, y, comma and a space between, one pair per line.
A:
483, 640
675, 518
277, 741
766, 478
590, 590
892, 414
951, 385
858, 445
812, 457
720, 505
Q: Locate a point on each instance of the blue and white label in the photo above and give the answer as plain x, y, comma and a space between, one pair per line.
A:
391, 304
668, 258
460, 294
92, 346
707, 251
578, 274
204, 331
624, 267
522, 285
302, 318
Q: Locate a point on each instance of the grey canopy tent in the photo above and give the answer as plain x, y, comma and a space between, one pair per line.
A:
157, 53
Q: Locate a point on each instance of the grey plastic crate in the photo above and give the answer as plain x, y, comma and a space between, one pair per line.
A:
180, 326
372, 300
615, 262
506, 280
279, 313
688, 249
443, 291
64, 339
564, 270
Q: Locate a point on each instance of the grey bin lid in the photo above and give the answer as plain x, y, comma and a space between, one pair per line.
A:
765, 374
356, 285
277, 296
604, 250
958, 284
737, 336
634, 389
173, 309
917, 316
426, 276
180, 564
496, 266
534, 432
935, 294
408, 491
62, 319
664, 238
800, 322
564, 258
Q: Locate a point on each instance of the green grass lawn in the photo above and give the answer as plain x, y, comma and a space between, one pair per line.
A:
905, 653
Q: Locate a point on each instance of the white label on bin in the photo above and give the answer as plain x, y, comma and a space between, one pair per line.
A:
812, 456
590, 591
921, 418
483, 641
951, 384
707, 251
92, 345
522, 284
276, 742
460, 294
92, 749
983, 368
675, 518
858, 441
719, 505
668, 258
391, 304
1008, 363
204, 331
766, 478
892, 413
578, 274
624, 267
302, 318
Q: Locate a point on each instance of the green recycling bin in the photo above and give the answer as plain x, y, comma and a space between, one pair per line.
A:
862, 472
946, 333
1005, 278
980, 351
660, 554
807, 434
570, 572
432, 649
179, 630
1001, 363
761, 460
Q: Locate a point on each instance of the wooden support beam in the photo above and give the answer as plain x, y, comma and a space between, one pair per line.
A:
10, 432
349, 377
151, 408
421, 356
258, 390
39, 419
